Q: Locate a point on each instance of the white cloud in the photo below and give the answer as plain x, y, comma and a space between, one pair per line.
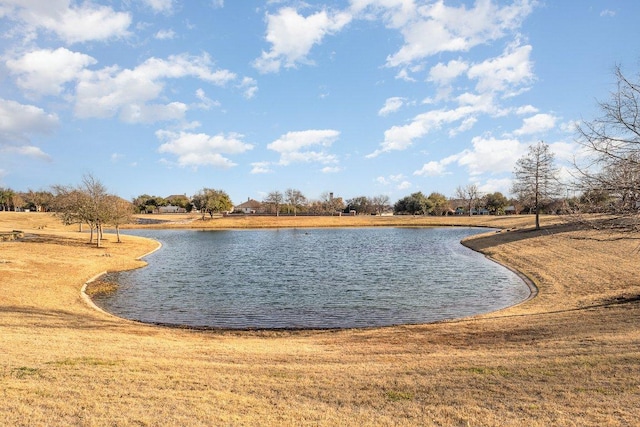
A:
292, 36
404, 185
382, 180
570, 126
71, 23
391, 105
526, 109
249, 87
391, 179
27, 151
432, 28
492, 185
295, 141
443, 74
403, 74
402, 137
201, 149
294, 147
536, 124
431, 168
160, 5
46, 71
566, 151
261, 167
331, 169
205, 102
130, 93
165, 35
19, 121
608, 13
510, 73
490, 155
151, 113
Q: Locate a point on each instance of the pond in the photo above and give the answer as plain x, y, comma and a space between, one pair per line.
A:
311, 278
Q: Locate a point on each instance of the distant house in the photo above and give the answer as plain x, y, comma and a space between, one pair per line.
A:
481, 211
249, 207
171, 209
510, 210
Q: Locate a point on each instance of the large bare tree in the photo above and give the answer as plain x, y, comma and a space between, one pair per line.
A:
469, 195
611, 142
295, 199
536, 178
275, 199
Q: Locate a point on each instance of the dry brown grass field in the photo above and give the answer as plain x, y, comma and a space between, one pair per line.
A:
568, 357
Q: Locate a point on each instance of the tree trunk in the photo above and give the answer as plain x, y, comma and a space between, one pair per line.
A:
537, 212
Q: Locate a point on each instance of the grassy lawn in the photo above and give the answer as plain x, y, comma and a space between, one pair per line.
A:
570, 356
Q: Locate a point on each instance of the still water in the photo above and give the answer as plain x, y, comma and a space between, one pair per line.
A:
312, 278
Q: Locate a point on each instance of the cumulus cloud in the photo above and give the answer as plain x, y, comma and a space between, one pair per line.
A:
331, 169
165, 35
261, 167
200, 149
305, 146
536, 124
45, 71
443, 74
292, 36
404, 185
510, 73
130, 93
490, 155
526, 109
398, 181
71, 23
502, 76
432, 28
20, 121
159, 5
205, 102
431, 168
27, 151
249, 86
402, 137
492, 185
391, 105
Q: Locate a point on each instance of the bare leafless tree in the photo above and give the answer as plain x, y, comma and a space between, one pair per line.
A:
119, 212
295, 199
469, 194
611, 164
536, 178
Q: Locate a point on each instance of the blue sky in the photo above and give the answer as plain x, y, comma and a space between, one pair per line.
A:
360, 97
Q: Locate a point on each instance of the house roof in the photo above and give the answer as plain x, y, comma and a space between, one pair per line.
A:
250, 204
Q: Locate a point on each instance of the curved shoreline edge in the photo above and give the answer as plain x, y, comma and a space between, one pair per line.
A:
533, 292
87, 299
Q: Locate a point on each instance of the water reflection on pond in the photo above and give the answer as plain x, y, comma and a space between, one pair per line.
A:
312, 278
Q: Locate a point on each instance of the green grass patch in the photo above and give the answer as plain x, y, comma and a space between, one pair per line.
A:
397, 396
84, 361
485, 370
25, 372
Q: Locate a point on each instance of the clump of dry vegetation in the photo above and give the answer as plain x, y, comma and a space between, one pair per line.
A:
570, 356
100, 287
